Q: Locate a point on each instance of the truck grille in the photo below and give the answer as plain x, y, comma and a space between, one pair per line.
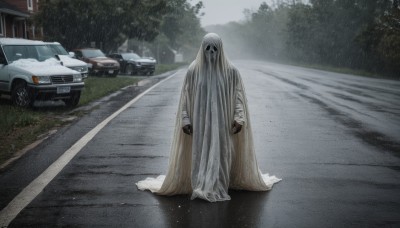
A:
62, 79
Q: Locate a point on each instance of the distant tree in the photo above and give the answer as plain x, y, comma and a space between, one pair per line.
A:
180, 31
301, 34
108, 24
358, 34
261, 35
381, 42
326, 32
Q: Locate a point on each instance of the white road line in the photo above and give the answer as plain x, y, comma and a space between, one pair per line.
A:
30, 192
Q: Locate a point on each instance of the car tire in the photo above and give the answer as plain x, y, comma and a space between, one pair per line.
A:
115, 73
21, 96
129, 69
73, 100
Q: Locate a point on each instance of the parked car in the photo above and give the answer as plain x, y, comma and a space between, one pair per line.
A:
67, 60
133, 64
97, 61
29, 72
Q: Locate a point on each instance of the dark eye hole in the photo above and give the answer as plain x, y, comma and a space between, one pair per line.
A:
208, 48
215, 48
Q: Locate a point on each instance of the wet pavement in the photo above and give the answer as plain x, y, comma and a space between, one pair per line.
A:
332, 138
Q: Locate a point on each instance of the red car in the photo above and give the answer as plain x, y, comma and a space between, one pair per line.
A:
97, 61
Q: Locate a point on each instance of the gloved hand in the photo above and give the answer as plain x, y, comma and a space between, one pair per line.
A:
236, 127
187, 129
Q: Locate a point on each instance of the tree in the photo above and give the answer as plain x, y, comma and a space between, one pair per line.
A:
326, 31
108, 24
300, 34
357, 34
181, 26
180, 31
381, 42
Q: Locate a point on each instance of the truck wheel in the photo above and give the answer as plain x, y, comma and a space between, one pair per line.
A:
21, 96
73, 100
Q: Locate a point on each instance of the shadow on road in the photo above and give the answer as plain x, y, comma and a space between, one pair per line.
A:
243, 210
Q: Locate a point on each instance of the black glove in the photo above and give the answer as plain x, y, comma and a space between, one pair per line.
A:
236, 127
187, 129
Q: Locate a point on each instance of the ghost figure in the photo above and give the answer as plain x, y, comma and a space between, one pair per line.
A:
211, 53
212, 149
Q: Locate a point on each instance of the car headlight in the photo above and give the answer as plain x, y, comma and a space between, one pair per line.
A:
100, 64
41, 80
77, 78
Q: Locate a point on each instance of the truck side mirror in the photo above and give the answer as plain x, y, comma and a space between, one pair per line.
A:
72, 54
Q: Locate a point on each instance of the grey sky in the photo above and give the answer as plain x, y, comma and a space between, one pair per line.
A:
223, 11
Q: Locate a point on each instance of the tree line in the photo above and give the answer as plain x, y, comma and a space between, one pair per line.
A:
356, 34
159, 24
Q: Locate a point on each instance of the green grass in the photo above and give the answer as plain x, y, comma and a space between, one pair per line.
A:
20, 127
97, 87
12, 117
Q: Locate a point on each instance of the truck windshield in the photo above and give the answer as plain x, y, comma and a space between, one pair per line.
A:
38, 52
92, 53
130, 56
57, 49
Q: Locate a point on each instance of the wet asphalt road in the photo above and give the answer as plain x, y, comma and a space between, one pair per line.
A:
332, 138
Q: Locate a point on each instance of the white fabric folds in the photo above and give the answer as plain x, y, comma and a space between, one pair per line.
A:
213, 159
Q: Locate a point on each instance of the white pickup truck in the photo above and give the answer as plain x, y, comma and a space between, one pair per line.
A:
29, 71
68, 60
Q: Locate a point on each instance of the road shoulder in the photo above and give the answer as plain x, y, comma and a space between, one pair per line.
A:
35, 158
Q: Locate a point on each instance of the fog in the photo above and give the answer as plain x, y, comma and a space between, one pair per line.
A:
357, 35
351, 34
224, 11
257, 29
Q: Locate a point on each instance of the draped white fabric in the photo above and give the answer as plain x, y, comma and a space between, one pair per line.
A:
213, 159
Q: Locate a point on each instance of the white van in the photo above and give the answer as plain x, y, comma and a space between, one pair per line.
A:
29, 72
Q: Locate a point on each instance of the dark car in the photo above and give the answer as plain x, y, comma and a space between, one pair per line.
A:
133, 64
98, 63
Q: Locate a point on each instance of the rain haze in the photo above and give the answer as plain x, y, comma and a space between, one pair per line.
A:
224, 11
101, 101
